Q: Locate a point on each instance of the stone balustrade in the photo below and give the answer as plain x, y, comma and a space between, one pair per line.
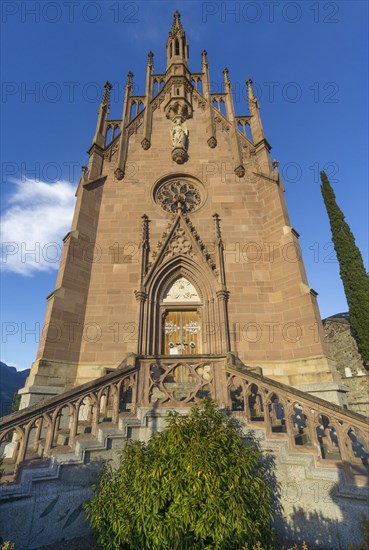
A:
335, 437
50, 426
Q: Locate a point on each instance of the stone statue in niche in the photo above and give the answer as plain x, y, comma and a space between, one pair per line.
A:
179, 135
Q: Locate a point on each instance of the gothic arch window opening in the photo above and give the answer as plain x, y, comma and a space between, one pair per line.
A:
184, 49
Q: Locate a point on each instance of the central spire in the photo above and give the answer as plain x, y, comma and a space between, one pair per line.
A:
176, 25
177, 45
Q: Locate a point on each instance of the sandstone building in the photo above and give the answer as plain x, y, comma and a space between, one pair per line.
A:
181, 243
182, 277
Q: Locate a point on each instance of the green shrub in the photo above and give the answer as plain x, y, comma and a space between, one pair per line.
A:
365, 534
197, 484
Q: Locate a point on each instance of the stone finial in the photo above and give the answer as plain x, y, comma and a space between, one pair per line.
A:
251, 95
226, 80
216, 219
255, 122
145, 230
177, 19
176, 25
106, 95
145, 242
150, 58
129, 78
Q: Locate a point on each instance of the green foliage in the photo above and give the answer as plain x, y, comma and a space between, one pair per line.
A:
365, 533
197, 484
352, 271
15, 403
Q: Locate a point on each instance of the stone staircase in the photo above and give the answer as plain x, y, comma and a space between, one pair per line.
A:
53, 458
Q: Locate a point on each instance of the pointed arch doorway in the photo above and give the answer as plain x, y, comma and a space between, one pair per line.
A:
181, 317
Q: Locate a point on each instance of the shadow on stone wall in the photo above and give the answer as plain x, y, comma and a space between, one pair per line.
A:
51, 510
312, 528
317, 530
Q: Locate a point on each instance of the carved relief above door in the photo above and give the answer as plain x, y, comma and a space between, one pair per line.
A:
181, 291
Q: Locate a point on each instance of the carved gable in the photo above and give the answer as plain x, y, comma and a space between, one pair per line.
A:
181, 239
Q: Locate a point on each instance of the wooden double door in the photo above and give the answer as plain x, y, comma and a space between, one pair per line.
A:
181, 332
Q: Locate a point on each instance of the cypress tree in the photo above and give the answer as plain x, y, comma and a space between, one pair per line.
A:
352, 271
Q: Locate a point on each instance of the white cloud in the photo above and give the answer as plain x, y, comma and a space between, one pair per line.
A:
33, 225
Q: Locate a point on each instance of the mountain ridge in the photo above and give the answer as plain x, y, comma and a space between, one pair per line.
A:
11, 380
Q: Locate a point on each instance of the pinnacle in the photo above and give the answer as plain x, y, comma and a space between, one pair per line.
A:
106, 95
176, 25
150, 58
251, 94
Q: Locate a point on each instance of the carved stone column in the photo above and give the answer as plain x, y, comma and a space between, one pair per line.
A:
141, 298
147, 124
223, 296
210, 123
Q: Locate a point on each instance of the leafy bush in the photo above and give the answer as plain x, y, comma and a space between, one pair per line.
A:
197, 484
365, 534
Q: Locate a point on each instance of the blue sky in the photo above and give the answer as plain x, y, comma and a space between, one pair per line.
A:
308, 61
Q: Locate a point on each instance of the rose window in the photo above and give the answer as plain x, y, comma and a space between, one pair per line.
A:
179, 194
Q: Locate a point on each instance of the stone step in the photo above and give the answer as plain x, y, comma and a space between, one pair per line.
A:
59, 488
